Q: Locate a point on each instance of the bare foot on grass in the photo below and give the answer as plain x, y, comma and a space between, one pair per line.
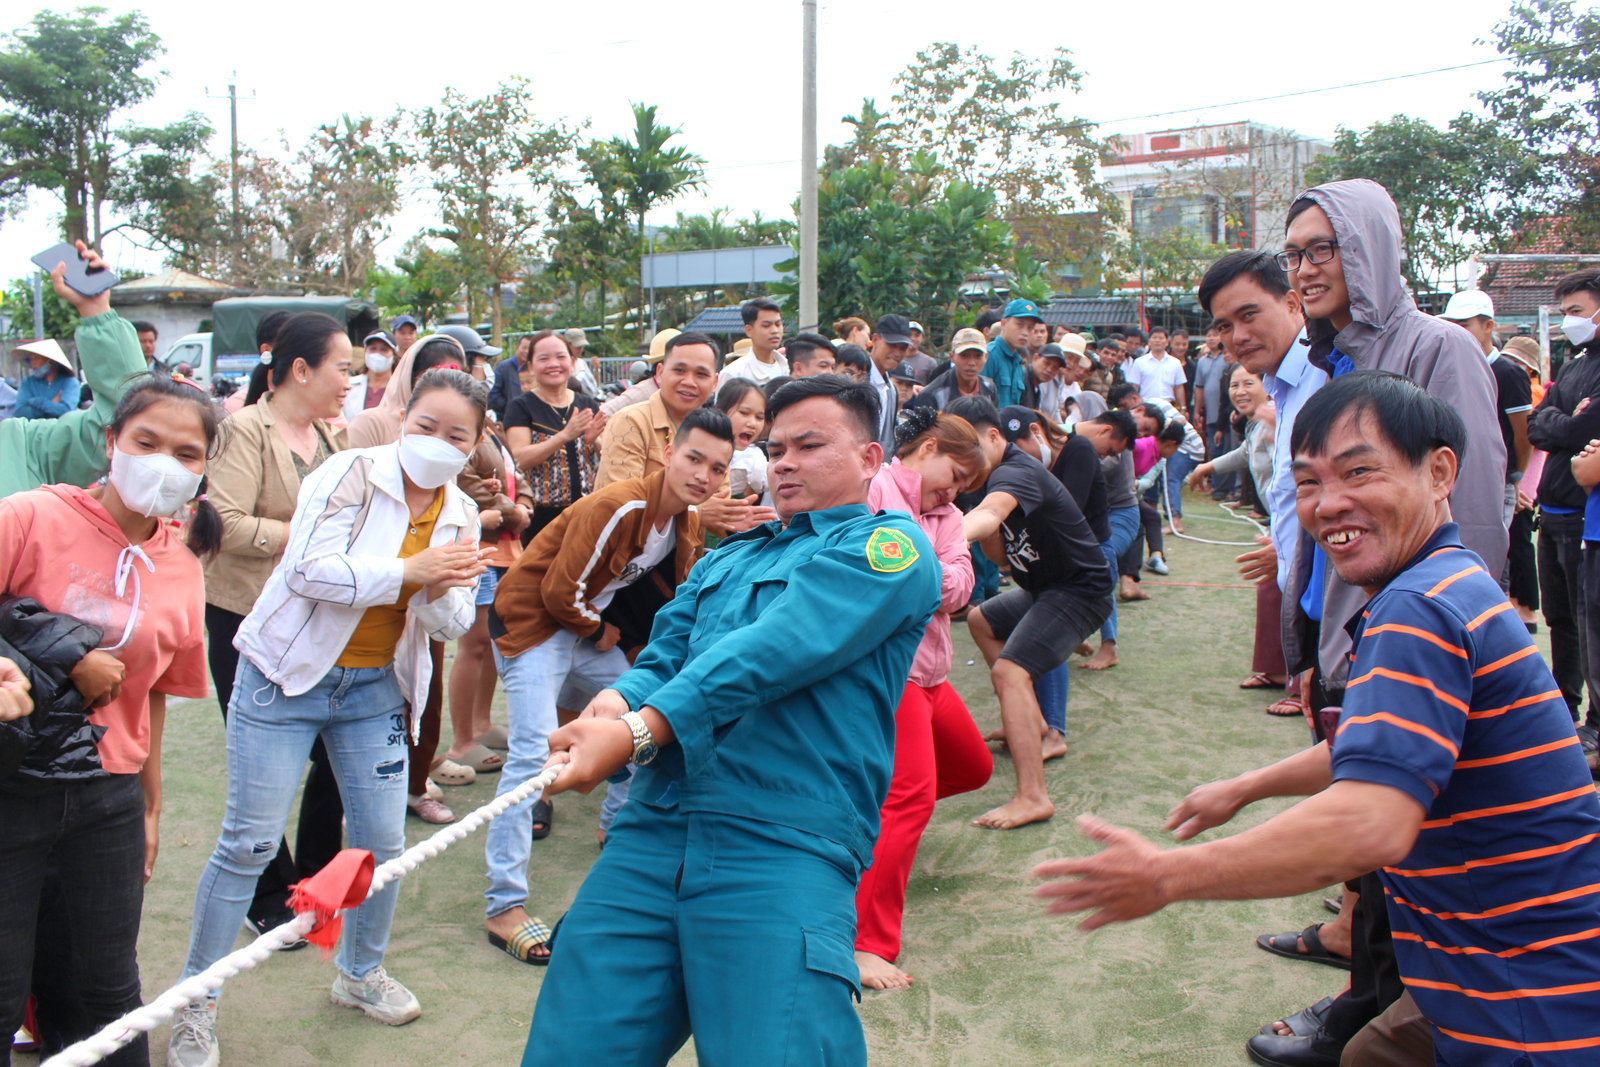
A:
1104, 657
1053, 745
1085, 648
1019, 812
879, 973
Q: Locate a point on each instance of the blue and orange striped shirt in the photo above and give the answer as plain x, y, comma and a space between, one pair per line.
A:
1496, 910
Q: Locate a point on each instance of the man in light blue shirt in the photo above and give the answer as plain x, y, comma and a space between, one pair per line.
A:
1257, 313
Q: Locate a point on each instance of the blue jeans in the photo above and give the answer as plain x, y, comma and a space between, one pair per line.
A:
533, 679
985, 575
1179, 467
1051, 689
361, 717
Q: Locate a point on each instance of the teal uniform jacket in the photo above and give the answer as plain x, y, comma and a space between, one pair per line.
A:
780, 663
72, 448
1007, 370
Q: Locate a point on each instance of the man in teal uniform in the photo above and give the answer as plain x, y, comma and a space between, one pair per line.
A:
761, 719
72, 448
1008, 362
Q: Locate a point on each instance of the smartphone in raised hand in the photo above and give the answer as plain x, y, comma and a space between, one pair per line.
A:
78, 276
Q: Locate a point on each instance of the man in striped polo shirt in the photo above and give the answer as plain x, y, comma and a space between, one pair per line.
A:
1455, 769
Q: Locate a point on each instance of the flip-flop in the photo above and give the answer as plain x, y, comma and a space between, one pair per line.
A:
523, 940
496, 737
1287, 945
1260, 680
480, 759
1288, 707
544, 819
449, 772
1333, 904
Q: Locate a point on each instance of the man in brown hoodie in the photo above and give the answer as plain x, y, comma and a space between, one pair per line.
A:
548, 626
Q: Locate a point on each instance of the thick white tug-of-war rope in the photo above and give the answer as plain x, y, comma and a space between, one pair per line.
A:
92, 1050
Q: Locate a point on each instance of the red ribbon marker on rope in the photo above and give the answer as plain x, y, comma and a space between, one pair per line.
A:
341, 884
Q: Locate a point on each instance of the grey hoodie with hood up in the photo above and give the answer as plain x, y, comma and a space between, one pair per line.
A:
1388, 332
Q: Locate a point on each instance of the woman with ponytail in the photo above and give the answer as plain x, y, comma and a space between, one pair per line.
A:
85, 800
273, 445
938, 750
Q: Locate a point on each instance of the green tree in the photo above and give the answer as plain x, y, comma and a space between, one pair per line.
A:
426, 282
591, 240
1543, 124
63, 83
16, 302
495, 166
1434, 176
651, 173
1002, 127
900, 238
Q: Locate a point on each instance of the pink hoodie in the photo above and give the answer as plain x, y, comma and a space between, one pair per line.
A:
899, 488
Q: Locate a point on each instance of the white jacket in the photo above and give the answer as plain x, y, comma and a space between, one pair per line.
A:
343, 557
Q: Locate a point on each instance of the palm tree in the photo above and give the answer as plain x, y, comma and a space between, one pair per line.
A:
650, 172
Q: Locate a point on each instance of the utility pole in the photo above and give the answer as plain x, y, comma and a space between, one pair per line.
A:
38, 305
235, 230
808, 164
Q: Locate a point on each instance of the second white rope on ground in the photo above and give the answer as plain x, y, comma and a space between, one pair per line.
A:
92, 1050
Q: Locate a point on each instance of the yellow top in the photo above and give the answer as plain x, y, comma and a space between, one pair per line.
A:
378, 633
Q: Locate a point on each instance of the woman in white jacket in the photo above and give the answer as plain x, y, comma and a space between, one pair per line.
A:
382, 556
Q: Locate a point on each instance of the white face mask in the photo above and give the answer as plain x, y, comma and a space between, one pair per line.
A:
430, 461
155, 486
1045, 455
1579, 330
379, 364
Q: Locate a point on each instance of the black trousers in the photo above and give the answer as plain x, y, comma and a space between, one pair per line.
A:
1561, 590
1522, 562
1374, 972
320, 834
83, 843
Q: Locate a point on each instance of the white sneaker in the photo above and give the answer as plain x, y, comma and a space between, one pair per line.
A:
194, 1036
378, 995
1157, 565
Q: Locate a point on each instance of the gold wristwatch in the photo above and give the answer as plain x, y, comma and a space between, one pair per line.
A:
645, 748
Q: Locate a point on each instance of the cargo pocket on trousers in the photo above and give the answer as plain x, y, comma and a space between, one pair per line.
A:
827, 954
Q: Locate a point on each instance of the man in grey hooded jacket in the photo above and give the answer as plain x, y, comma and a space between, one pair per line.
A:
1342, 252
1360, 316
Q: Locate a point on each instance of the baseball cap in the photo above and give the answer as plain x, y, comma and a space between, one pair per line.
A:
968, 339
1054, 352
895, 329
1022, 309
1015, 420
905, 374
575, 337
404, 320
1468, 304
658, 345
1073, 343
382, 335
915, 325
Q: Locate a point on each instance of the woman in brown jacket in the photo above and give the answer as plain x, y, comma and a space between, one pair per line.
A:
504, 508
268, 449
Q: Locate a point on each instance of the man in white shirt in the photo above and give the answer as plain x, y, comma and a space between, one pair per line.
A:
1158, 374
763, 324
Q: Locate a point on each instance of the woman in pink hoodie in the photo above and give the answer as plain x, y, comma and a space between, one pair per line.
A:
938, 750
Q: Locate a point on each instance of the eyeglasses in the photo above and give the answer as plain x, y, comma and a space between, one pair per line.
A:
1317, 252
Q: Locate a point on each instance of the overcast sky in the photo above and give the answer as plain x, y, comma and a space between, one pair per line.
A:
730, 76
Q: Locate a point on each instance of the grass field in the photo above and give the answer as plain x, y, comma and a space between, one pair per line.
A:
997, 982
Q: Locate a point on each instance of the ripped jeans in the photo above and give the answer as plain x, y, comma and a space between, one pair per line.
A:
362, 719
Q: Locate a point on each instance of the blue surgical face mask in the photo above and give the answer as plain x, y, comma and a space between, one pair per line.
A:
44, 371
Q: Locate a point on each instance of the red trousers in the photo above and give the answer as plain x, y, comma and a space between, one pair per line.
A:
938, 752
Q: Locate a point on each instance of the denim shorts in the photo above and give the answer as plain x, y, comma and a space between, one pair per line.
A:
488, 582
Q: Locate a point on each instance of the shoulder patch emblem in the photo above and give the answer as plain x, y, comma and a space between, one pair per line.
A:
889, 550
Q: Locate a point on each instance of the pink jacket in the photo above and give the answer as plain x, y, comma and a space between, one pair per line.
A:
899, 488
